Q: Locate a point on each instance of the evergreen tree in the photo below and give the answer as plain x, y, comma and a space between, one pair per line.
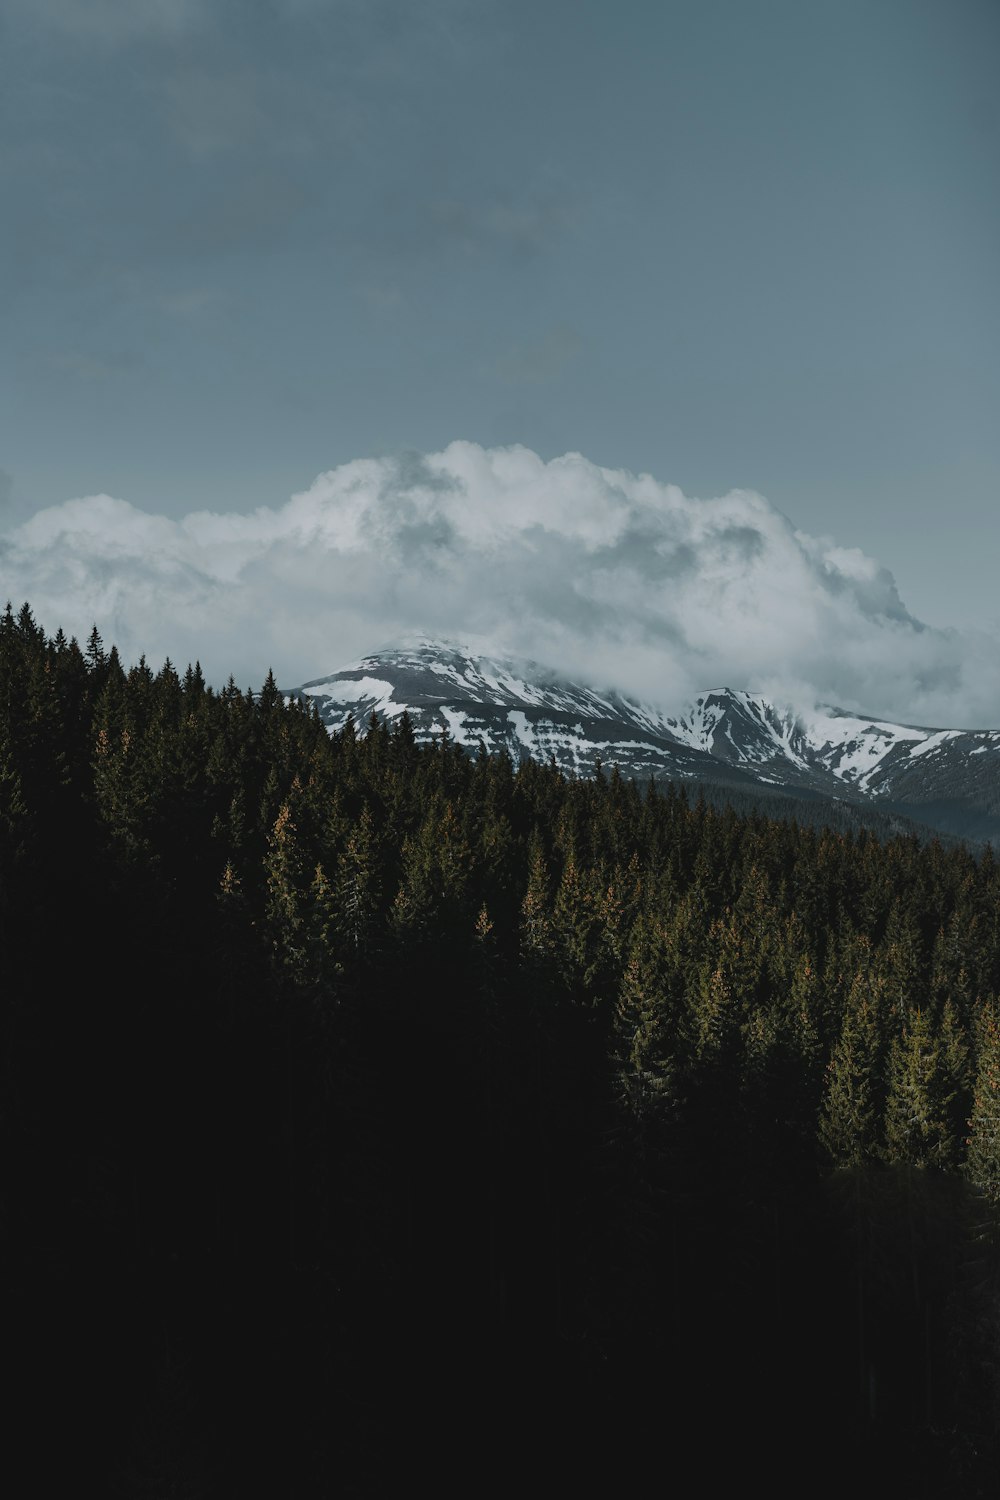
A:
359, 891
851, 1110
917, 1116
576, 933
537, 937
956, 1080
713, 1024
285, 919
982, 1162
645, 1033
321, 920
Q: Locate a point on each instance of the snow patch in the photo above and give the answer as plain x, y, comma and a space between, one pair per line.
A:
458, 727
933, 742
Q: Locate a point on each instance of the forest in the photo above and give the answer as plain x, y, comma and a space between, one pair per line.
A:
375, 1114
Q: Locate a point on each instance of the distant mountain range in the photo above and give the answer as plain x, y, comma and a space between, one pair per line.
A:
824, 765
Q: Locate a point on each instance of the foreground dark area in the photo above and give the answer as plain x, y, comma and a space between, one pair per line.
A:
377, 1115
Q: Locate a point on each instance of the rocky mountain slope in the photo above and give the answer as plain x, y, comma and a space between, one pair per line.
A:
945, 779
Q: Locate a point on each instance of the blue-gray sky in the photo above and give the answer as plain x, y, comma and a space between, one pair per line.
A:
737, 244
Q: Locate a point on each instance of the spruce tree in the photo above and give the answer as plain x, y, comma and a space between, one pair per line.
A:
536, 929
982, 1161
645, 1033
851, 1110
955, 1066
284, 914
917, 1115
713, 1015
358, 884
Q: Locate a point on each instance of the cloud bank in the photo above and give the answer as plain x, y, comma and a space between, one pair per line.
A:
613, 577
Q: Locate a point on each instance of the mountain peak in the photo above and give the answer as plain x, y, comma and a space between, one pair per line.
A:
724, 736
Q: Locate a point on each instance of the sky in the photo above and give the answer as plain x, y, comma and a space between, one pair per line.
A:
307, 306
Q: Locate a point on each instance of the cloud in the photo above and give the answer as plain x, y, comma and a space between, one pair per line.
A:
613, 577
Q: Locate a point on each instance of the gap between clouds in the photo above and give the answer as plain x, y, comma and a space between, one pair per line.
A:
615, 578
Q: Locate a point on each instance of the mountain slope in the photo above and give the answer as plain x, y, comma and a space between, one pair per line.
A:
725, 740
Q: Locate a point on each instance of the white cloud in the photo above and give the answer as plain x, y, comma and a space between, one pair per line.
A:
614, 577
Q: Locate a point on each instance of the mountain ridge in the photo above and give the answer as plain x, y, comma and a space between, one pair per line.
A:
947, 780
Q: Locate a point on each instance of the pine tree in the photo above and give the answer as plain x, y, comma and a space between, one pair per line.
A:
982, 1161
321, 920
917, 1115
576, 933
852, 1099
900, 959
955, 1072
123, 784
537, 938
285, 919
804, 1018
358, 884
645, 1033
95, 655
713, 1015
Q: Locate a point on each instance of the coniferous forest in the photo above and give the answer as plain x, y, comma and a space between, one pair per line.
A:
375, 1114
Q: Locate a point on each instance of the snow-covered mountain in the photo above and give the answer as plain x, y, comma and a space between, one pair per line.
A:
948, 779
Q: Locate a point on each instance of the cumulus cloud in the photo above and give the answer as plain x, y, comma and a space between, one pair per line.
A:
615, 578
